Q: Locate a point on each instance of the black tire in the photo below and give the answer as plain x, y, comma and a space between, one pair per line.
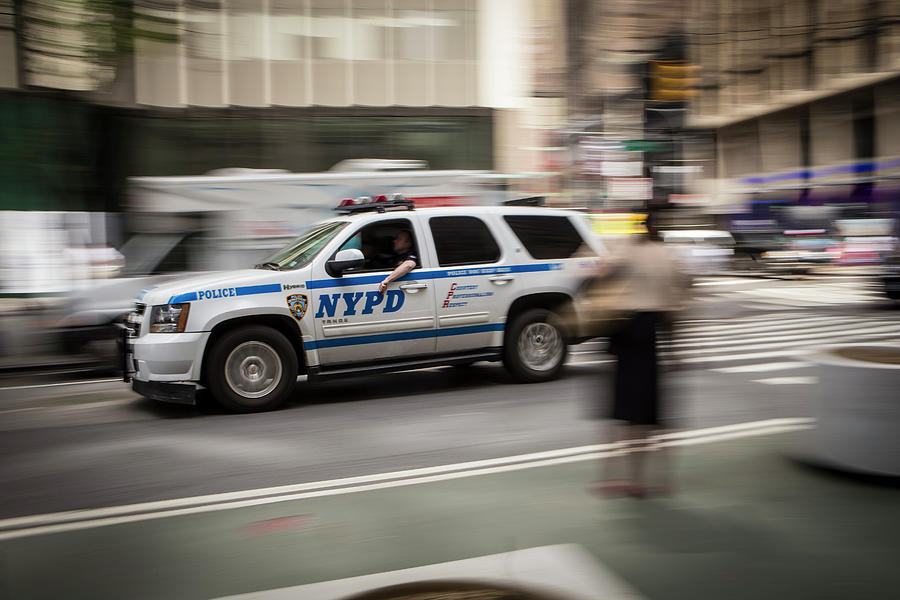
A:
535, 346
251, 369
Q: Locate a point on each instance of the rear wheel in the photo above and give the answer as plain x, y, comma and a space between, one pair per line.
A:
535, 346
252, 369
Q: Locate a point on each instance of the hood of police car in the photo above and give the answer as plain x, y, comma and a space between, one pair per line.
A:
219, 284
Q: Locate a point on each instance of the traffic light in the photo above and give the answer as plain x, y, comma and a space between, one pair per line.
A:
672, 80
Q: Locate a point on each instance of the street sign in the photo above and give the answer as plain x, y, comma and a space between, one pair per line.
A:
642, 146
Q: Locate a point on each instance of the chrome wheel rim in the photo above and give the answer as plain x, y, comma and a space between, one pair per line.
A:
253, 369
540, 346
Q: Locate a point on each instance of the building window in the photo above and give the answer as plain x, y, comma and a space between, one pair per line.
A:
329, 30
245, 30
287, 31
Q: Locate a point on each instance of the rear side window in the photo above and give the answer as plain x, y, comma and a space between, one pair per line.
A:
463, 241
546, 236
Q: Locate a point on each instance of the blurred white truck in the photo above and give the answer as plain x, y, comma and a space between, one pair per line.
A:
232, 218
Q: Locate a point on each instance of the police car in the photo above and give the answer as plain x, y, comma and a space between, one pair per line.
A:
490, 283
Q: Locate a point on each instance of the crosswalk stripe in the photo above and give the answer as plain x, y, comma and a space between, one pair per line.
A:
786, 302
787, 329
789, 380
779, 353
758, 306
733, 328
814, 341
591, 362
794, 297
817, 334
745, 320
734, 357
720, 282
759, 368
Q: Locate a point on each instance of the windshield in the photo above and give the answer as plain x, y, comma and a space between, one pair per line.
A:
304, 248
144, 252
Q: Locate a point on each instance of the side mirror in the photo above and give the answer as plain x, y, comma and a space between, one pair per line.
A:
350, 258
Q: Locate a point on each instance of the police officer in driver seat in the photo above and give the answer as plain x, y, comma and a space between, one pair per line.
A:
404, 259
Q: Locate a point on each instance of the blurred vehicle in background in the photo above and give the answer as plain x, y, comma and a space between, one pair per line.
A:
890, 275
801, 250
865, 250
229, 219
701, 251
750, 245
866, 241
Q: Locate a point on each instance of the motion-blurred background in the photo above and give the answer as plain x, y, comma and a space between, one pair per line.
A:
767, 132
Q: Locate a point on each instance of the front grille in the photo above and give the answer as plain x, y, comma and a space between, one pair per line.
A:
134, 319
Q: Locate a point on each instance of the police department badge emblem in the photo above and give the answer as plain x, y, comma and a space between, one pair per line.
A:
298, 303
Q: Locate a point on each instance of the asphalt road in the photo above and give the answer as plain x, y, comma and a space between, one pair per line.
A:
75, 445
285, 514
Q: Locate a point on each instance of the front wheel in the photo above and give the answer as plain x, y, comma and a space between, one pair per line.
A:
535, 347
252, 369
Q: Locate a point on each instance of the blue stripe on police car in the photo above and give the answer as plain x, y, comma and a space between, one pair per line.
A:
247, 290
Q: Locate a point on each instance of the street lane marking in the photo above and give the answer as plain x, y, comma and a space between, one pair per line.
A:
70, 407
45, 385
789, 380
776, 366
32, 525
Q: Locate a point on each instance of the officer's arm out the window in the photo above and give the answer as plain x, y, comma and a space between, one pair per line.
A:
402, 269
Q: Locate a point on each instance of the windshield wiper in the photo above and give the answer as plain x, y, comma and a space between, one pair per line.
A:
272, 266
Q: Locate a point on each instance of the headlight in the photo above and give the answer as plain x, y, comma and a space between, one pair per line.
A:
169, 318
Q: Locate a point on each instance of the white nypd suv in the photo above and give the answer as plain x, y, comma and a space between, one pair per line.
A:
489, 283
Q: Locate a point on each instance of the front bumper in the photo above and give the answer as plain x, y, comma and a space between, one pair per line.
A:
166, 356
177, 393
163, 366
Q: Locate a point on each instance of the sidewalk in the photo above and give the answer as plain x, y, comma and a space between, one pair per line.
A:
747, 522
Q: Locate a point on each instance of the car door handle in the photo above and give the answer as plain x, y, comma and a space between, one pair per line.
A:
501, 279
413, 287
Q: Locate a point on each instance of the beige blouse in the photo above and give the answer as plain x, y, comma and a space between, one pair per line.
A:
653, 277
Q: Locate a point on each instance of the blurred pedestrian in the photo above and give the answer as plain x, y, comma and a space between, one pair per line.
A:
651, 289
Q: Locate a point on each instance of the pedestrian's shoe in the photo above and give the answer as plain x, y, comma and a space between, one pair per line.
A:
610, 488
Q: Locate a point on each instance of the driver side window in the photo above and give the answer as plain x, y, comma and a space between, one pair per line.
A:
376, 241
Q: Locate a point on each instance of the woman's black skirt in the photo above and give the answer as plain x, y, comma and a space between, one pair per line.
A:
636, 382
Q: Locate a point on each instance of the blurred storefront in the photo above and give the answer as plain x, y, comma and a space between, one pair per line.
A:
186, 87
802, 101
